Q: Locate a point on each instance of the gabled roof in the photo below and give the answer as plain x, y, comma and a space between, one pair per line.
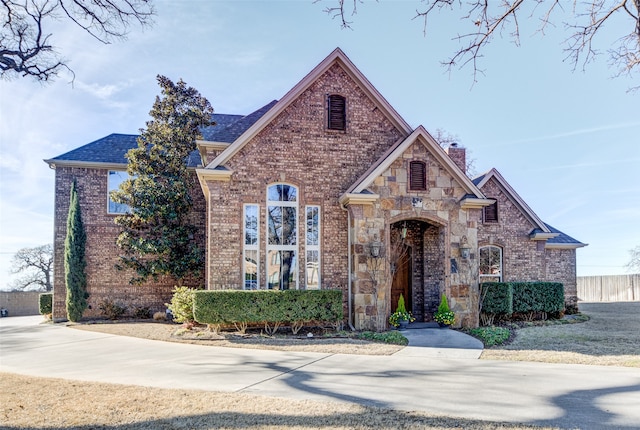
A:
541, 230
422, 135
229, 127
336, 57
111, 150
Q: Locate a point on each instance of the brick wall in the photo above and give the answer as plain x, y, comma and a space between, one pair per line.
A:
523, 258
296, 148
103, 280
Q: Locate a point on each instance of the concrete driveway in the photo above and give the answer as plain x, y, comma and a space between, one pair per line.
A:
568, 396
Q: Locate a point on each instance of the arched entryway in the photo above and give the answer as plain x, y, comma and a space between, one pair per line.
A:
417, 260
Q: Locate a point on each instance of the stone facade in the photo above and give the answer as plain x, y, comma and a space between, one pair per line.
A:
435, 225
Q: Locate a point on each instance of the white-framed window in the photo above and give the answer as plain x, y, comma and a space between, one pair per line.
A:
250, 251
282, 237
312, 269
114, 179
490, 264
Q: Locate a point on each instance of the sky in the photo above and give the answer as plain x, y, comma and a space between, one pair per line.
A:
567, 142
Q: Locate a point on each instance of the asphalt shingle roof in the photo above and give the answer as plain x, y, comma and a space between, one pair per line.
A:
109, 149
562, 238
113, 148
229, 129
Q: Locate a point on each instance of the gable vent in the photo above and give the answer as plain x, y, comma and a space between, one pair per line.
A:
491, 212
417, 175
337, 112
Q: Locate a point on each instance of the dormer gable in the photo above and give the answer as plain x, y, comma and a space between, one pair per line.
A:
474, 198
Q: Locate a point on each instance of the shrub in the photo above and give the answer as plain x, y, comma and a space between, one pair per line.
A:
181, 305
443, 314
393, 337
400, 314
159, 316
272, 308
45, 303
75, 263
491, 336
142, 312
496, 301
571, 309
521, 300
111, 309
538, 298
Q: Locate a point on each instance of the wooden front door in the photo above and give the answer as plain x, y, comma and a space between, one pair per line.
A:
402, 282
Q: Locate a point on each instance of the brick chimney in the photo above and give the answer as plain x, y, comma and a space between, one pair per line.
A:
458, 155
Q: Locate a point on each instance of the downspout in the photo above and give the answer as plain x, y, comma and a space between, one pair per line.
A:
349, 301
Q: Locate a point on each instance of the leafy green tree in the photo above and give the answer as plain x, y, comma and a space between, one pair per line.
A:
157, 238
74, 260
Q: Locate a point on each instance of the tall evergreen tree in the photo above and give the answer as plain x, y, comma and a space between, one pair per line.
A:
157, 238
74, 260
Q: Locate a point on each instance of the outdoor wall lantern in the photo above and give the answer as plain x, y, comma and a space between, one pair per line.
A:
465, 249
374, 247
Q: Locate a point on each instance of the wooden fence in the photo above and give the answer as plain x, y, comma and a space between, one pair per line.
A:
615, 288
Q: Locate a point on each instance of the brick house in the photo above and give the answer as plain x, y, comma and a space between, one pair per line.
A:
359, 201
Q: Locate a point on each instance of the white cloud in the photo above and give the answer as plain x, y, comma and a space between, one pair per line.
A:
102, 91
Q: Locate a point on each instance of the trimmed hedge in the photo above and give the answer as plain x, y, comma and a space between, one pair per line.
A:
497, 298
45, 303
538, 297
504, 299
267, 306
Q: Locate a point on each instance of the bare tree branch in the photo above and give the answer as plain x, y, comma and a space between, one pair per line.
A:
26, 48
36, 266
481, 20
340, 13
634, 260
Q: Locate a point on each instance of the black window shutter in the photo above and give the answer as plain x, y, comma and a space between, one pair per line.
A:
417, 176
337, 112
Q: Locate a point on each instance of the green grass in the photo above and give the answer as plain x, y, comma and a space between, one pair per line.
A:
491, 336
392, 337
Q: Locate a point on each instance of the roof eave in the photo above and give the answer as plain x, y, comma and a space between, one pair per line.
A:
210, 144
358, 199
542, 235
474, 203
53, 163
223, 175
565, 245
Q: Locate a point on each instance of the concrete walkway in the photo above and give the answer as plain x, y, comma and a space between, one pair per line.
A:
429, 340
567, 396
